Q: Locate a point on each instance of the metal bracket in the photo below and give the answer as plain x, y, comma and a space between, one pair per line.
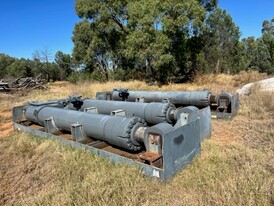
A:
104, 95
92, 110
154, 143
19, 113
140, 99
78, 133
153, 154
203, 115
167, 100
118, 112
50, 126
123, 93
152, 158
183, 120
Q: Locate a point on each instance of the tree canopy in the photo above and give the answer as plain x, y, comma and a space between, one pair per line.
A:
157, 41
147, 36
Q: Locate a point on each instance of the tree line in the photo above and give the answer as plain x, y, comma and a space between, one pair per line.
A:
163, 41
41, 64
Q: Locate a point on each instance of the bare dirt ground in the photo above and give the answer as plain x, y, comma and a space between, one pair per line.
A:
6, 123
6, 129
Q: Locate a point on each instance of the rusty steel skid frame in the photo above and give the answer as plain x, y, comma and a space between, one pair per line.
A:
179, 146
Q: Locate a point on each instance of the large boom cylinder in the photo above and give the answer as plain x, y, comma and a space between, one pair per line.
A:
116, 130
152, 113
195, 98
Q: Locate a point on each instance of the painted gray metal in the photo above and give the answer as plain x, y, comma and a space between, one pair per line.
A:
191, 113
234, 107
152, 113
116, 130
180, 146
178, 150
148, 170
204, 115
195, 98
223, 106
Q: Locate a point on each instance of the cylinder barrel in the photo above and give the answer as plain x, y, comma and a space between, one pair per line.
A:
195, 98
116, 130
152, 113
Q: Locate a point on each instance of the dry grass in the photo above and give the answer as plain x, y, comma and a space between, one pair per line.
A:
227, 83
250, 76
236, 166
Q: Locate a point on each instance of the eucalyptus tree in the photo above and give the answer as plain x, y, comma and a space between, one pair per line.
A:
268, 27
20, 68
249, 47
221, 43
5, 61
97, 38
147, 35
63, 62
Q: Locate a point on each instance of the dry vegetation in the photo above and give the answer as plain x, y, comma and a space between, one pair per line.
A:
236, 166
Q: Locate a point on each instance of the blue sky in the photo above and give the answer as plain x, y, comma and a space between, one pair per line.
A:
29, 25
249, 14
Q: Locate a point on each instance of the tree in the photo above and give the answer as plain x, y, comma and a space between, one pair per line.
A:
53, 73
262, 58
249, 47
43, 55
96, 41
264, 55
221, 43
20, 68
268, 27
44, 65
259, 54
5, 61
63, 62
151, 36
268, 39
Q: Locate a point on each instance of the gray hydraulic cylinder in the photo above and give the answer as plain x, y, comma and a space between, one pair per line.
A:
152, 113
116, 130
195, 98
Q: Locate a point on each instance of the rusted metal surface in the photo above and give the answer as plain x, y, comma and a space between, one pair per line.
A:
152, 159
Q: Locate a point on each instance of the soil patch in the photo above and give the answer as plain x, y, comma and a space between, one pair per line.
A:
5, 129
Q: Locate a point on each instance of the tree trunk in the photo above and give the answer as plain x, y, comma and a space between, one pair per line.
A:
217, 68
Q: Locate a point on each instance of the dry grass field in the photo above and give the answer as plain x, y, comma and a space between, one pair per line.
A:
236, 166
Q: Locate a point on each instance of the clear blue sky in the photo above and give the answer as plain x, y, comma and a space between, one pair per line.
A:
29, 25
249, 14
